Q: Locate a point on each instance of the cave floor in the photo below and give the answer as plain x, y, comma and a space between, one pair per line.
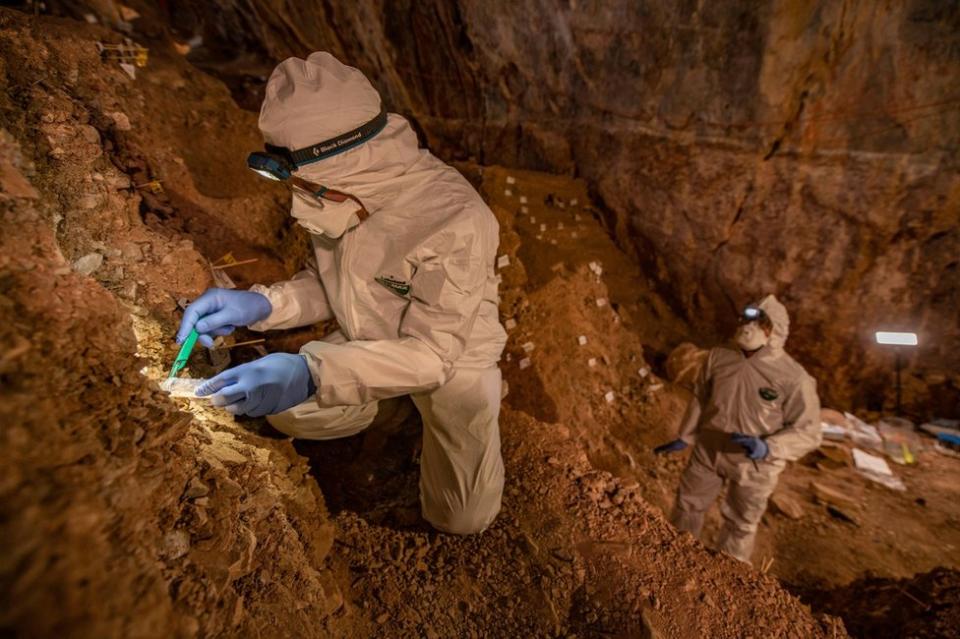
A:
385, 551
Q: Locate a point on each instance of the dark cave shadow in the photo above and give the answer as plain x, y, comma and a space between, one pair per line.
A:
374, 474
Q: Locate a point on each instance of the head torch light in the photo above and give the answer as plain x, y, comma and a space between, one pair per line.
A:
752, 314
270, 165
279, 163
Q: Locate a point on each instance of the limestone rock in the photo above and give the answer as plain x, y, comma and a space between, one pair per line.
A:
832, 496
786, 505
88, 264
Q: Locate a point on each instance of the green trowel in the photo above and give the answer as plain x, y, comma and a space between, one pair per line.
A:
184, 354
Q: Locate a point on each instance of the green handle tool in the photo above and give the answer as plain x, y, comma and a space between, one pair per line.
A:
184, 354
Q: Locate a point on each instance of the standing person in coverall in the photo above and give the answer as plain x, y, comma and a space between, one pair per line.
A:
404, 251
754, 408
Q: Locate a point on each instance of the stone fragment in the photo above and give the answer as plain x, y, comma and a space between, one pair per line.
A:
836, 453
131, 251
592, 362
503, 261
609, 397
88, 264
831, 496
525, 363
88, 201
176, 544
601, 301
13, 183
507, 192
786, 505
120, 120
523, 199
90, 134
510, 324
528, 347
511, 179
195, 488
128, 14
843, 514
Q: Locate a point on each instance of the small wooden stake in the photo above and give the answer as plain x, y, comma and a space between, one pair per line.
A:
241, 262
247, 343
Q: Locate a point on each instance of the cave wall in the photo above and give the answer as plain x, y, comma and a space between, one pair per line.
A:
803, 148
122, 514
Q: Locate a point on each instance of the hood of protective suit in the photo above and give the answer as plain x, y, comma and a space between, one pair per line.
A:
777, 313
309, 101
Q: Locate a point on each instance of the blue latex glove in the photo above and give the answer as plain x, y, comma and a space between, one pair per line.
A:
755, 447
670, 447
264, 386
219, 311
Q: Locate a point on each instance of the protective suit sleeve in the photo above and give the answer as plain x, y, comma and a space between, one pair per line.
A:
801, 416
701, 393
300, 301
445, 295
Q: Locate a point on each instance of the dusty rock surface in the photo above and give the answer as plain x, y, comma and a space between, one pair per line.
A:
804, 149
128, 513
122, 515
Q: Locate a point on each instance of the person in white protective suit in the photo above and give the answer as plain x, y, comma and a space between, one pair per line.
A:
754, 409
404, 250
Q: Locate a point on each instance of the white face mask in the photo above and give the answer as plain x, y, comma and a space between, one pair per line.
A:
333, 220
750, 337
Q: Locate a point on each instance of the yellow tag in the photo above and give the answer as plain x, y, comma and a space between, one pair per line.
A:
225, 259
907, 455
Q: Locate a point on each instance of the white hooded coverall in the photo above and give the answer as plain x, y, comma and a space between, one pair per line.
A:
768, 395
412, 287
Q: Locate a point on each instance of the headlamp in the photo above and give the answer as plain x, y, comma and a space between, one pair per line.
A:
752, 314
279, 163
269, 165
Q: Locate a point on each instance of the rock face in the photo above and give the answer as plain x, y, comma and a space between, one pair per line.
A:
807, 149
122, 515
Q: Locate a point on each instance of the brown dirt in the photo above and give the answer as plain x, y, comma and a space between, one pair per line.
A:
122, 515
926, 606
189, 523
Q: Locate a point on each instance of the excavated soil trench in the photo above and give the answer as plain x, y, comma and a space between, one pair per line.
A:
128, 513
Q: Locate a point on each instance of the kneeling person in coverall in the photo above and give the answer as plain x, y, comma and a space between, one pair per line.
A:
754, 408
404, 251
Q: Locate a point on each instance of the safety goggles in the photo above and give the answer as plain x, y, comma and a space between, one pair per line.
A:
279, 162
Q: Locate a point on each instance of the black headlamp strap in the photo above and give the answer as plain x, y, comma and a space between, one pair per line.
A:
333, 146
